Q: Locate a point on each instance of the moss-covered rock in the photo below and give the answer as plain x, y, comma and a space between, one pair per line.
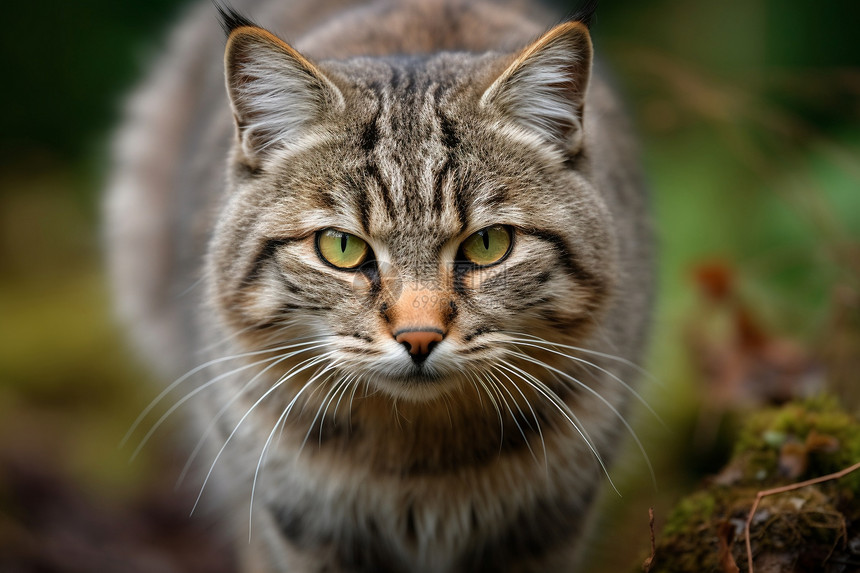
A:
812, 529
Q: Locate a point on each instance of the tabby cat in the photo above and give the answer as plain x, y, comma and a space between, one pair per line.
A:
409, 304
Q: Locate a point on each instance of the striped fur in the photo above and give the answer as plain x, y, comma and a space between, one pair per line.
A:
411, 125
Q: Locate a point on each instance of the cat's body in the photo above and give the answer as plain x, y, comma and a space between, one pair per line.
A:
378, 458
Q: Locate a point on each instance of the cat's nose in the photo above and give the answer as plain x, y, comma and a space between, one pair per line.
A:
419, 342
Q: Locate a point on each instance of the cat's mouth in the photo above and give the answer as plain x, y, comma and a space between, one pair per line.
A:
415, 374
414, 382
421, 374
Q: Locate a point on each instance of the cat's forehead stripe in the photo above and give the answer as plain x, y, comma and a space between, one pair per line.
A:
410, 144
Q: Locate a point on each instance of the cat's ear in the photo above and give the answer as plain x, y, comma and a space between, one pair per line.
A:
544, 88
277, 95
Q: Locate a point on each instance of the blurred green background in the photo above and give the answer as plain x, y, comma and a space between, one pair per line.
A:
749, 112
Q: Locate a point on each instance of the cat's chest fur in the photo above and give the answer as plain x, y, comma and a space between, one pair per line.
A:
418, 291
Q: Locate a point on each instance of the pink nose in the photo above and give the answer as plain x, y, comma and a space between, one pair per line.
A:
419, 342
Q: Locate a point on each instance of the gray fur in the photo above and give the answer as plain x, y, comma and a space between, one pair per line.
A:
411, 138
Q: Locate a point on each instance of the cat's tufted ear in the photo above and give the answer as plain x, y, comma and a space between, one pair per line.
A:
277, 95
544, 88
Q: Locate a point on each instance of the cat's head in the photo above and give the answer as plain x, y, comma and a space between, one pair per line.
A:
410, 216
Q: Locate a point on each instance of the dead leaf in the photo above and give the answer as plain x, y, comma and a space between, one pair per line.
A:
726, 535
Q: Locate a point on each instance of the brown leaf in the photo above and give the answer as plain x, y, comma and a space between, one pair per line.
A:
716, 279
726, 535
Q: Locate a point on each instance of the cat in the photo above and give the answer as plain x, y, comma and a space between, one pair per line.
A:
405, 264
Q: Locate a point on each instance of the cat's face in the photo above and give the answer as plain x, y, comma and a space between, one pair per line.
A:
406, 220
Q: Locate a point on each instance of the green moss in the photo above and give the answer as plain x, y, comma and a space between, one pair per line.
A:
696, 509
806, 524
760, 442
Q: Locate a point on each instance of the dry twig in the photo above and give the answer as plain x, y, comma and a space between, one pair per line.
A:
650, 561
791, 487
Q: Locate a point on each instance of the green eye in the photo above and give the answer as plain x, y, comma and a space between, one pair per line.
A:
341, 249
488, 246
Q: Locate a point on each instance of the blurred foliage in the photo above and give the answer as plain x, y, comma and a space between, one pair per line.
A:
749, 112
70, 61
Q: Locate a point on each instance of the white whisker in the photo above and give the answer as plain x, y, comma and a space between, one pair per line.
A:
310, 363
321, 411
619, 359
348, 383
275, 361
596, 394
534, 415
232, 336
493, 402
498, 384
284, 414
191, 373
446, 401
565, 411
478, 392
638, 396
358, 382
193, 393
223, 410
